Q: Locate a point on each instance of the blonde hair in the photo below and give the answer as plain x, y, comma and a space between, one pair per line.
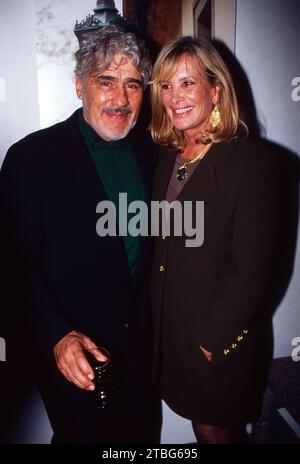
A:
205, 58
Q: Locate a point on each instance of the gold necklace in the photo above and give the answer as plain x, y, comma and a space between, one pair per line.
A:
181, 173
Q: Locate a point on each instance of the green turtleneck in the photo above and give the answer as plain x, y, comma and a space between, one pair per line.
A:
119, 172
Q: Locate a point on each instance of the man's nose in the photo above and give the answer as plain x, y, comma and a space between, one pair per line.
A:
120, 97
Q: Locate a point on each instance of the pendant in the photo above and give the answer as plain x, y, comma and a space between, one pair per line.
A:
181, 173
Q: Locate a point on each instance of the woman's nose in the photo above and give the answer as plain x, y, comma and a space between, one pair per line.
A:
177, 96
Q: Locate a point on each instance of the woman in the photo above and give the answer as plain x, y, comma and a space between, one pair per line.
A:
212, 332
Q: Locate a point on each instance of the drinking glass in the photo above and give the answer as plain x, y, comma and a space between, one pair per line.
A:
105, 389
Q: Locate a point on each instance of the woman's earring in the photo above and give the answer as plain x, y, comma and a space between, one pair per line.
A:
215, 117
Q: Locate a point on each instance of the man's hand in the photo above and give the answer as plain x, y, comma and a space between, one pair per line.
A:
71, 361
207, 354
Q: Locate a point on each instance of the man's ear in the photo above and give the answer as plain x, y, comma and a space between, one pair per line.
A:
79, 87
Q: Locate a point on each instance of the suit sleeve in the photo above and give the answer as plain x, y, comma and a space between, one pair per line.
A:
21, 204
255, 231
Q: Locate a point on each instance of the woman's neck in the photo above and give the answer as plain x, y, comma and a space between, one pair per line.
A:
192, 148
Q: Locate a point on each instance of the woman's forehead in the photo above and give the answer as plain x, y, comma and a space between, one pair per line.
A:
190, 64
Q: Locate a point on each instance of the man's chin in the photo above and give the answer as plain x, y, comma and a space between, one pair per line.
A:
117, 134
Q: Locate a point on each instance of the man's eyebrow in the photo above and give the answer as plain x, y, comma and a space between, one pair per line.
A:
134, 80
106, 77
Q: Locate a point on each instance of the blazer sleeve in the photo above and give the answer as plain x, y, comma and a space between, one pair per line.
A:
255, 232
21, 204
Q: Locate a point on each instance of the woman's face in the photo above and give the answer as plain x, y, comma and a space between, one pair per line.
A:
189, 97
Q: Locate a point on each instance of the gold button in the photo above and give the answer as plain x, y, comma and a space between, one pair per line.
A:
240, 337
226, 351
163, 237
245, 331
161, 268
233, 345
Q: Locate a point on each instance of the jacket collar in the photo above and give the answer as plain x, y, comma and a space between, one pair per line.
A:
202, 184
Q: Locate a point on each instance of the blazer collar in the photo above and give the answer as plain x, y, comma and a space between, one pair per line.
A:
202, 184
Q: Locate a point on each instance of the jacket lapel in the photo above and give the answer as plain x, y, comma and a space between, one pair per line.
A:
145, 152
163, 174
79, 161
86, 186
202, 184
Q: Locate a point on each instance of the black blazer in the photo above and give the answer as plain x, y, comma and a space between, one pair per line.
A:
214, 295
72, 278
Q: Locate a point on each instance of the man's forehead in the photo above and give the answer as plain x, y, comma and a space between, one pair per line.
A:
120, 62
119, 59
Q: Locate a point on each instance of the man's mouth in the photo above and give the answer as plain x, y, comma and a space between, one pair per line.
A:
117, 113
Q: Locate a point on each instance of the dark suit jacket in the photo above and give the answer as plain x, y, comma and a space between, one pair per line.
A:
66, 277
73, 278
214, 295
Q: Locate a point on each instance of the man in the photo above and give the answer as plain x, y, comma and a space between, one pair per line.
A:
81, 290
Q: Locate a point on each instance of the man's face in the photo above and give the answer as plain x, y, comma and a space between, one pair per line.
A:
112, 98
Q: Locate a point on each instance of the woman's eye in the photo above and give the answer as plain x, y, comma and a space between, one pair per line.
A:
165, 86
188, 83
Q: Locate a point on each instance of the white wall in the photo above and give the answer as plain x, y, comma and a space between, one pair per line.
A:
55, 45
19, 111
267, 46
224, 18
